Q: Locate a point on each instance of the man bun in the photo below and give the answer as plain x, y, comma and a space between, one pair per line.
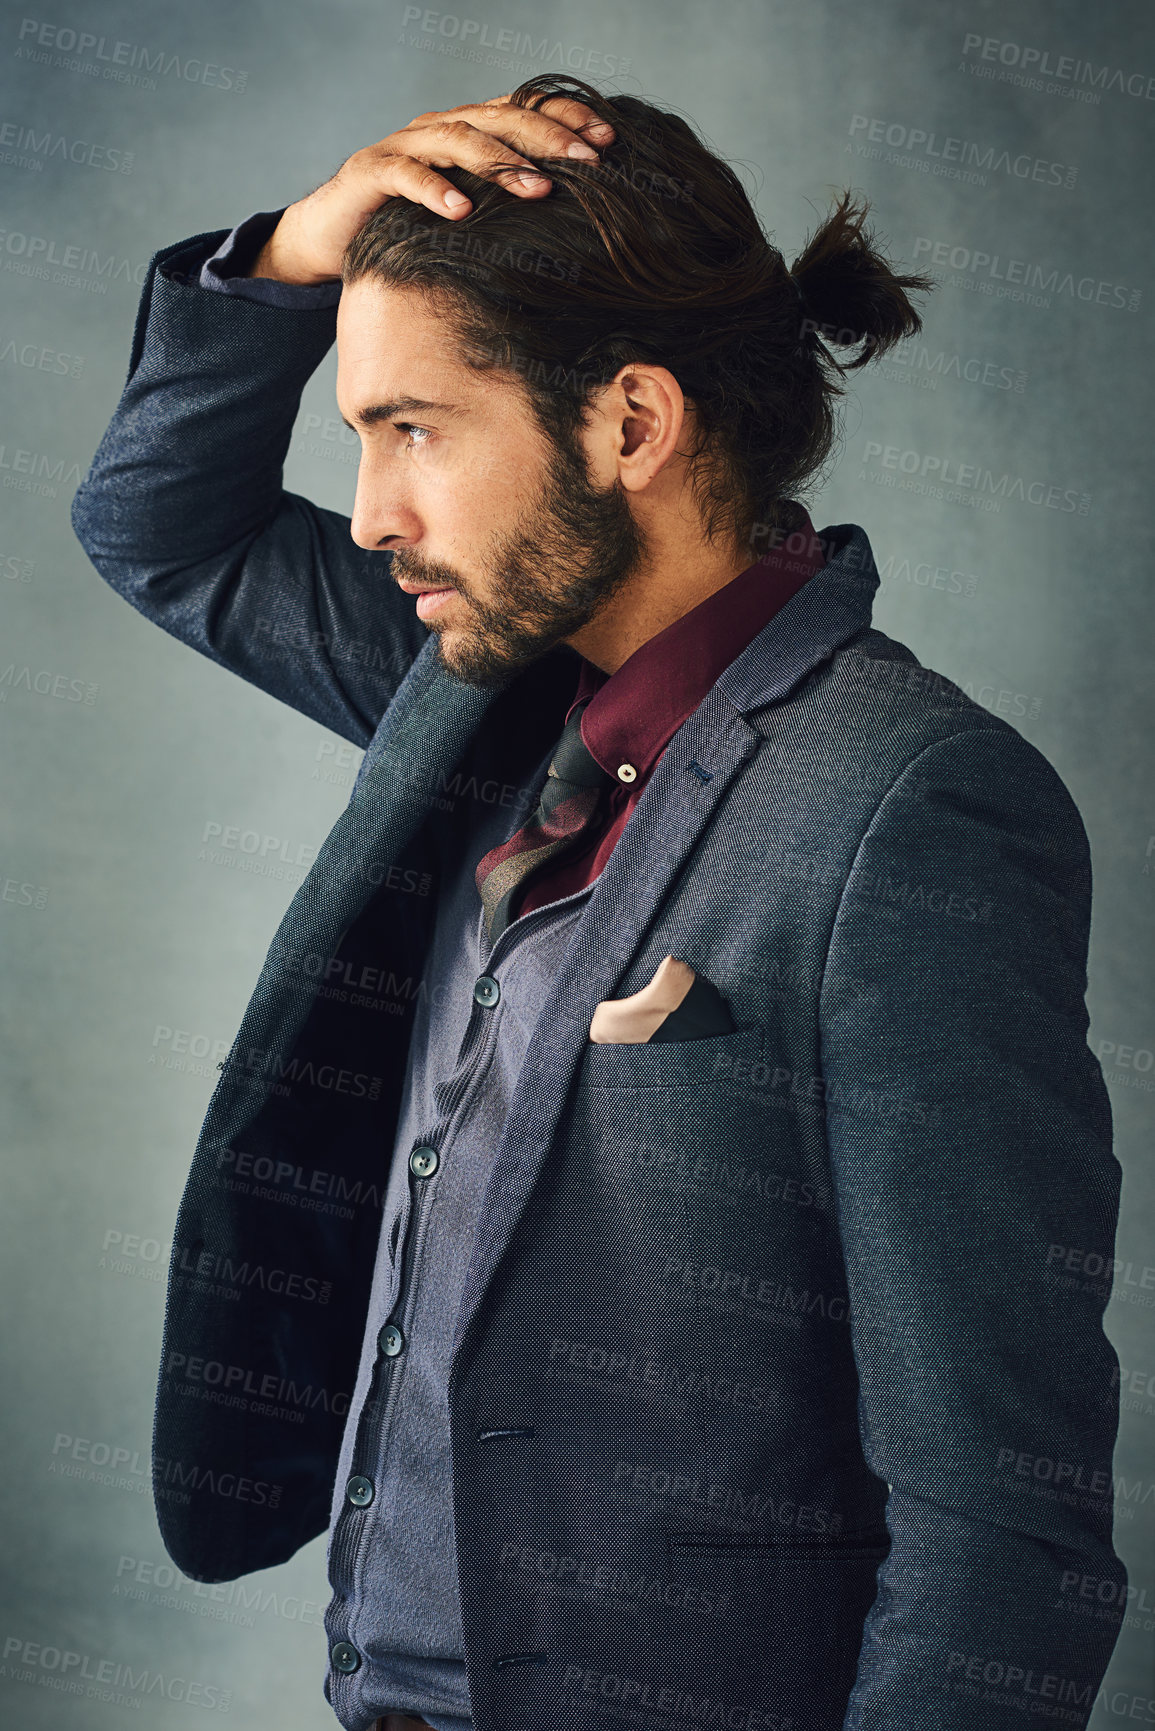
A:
849, 296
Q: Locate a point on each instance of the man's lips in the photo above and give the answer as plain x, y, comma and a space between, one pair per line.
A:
423, 588
430, 602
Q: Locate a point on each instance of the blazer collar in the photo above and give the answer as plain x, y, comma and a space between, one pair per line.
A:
832, 607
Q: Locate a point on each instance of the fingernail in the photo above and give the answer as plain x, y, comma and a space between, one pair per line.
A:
585, 151
598, 129
533, 180
455, 199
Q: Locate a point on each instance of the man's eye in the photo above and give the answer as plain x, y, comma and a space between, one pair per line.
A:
408, 427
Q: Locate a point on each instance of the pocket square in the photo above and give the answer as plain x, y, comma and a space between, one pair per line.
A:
678, 1004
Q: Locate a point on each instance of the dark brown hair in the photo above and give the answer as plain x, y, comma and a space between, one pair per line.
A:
655, 254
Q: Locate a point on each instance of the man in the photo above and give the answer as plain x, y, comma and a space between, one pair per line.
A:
673, 1074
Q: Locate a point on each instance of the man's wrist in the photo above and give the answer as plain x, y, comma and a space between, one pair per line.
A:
275, 261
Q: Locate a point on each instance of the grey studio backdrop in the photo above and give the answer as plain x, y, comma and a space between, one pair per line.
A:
160, 813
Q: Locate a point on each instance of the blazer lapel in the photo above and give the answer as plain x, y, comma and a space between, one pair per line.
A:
696, 769
420, 739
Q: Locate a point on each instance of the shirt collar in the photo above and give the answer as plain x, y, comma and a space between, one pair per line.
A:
632, 714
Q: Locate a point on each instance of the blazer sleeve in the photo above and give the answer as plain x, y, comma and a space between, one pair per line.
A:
183, 510
970, 1138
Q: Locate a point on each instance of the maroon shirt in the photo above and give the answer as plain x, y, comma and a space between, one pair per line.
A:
634, 713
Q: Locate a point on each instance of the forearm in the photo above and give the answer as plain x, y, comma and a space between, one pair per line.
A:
191, 462
184, 514
970, 1132
980, 1627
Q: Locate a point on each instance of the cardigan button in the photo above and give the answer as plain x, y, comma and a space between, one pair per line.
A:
486, 990
424, 1161
344, 1657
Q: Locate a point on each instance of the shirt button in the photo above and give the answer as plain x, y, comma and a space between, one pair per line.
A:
486, 990
359, 1491
627, 772
344, 1657
424, 1162
390, 1340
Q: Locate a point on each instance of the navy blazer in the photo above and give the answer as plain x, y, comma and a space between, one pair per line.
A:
766, 1340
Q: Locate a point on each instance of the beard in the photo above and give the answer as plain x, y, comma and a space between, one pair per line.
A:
544, 582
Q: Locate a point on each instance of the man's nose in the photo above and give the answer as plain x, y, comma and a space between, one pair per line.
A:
382, 517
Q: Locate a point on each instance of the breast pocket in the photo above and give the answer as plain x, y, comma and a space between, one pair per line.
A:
672, 1063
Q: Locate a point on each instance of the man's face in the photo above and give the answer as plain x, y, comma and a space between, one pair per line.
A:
461, 484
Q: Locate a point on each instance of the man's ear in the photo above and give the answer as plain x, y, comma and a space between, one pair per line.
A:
646, 412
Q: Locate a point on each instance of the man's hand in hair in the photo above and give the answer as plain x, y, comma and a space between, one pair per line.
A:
487, 138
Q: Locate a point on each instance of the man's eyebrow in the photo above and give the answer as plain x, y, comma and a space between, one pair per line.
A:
369, 416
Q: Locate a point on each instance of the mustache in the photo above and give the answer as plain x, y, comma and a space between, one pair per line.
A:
414, 569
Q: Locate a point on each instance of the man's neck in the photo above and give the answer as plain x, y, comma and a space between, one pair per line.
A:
662, 591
